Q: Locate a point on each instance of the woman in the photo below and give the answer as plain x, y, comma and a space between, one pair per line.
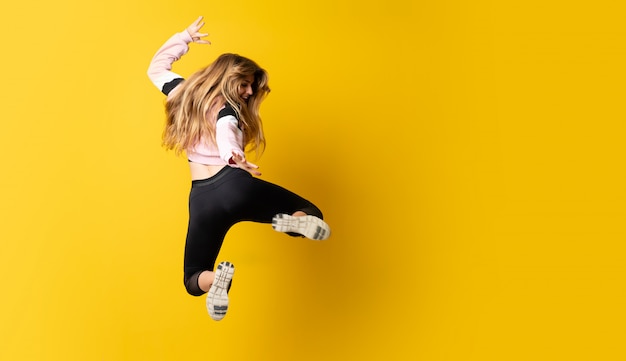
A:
213, 117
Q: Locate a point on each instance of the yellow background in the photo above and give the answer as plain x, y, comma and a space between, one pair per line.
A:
469, 156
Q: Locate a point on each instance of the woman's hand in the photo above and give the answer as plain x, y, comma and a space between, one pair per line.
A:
245, 165
194, 32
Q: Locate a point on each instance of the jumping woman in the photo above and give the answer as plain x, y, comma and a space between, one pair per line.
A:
213, 116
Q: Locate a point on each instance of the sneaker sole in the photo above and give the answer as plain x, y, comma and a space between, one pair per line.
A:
309, 226
217, 298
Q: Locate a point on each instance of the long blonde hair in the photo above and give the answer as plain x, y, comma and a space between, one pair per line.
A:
192, 110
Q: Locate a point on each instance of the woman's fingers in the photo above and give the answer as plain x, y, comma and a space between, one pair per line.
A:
253, 166
194, 29
201, 41
253, 170
197, 24
245, 165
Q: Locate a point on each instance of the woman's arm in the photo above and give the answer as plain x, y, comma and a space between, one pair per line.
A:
229, 140
160, 69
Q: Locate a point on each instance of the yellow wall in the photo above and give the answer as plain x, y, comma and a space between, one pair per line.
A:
469, 156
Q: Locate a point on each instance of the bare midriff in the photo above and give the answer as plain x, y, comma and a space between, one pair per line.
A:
203, 171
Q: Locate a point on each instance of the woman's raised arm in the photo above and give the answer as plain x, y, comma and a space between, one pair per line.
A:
160, 69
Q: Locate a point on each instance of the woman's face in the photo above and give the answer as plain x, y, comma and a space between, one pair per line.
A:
245, 89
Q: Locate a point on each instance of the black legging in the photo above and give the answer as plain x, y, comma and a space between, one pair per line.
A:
217, 203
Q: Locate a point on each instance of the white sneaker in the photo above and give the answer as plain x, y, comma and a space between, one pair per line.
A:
217, 298
309, 226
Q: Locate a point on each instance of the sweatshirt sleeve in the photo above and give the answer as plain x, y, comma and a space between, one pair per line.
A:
160, 69
228, 136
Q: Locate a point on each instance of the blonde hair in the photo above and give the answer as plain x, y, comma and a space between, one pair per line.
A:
191, 111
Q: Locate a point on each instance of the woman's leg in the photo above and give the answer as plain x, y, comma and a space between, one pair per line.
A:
209, 221
208, 224
204, 241
264, 202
